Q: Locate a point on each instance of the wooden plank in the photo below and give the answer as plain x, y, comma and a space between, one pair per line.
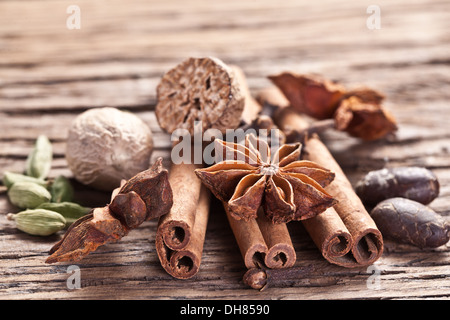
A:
49, 74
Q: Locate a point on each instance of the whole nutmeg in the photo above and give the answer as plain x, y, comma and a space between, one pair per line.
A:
106, 145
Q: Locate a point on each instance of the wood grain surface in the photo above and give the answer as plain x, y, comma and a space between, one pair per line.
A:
49, 74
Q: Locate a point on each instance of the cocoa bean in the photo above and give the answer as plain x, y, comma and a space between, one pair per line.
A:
414, 183
411, 222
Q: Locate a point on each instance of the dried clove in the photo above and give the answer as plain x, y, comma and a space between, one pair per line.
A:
261, 277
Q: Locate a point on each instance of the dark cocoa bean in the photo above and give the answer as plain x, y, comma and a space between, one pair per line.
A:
411, 222
414, 183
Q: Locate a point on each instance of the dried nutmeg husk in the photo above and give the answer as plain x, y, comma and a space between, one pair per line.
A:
365, 120
146, 196
356, 111
310, 94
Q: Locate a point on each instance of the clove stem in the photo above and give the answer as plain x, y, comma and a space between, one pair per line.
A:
260, 277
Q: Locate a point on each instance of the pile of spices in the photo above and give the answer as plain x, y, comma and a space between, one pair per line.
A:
262, 188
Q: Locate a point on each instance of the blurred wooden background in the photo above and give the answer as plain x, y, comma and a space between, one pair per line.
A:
49, 74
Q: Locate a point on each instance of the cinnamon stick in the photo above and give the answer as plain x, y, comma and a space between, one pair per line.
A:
345, 234
176, 226
185, 262
181, 232
281, 252
249, 239
251, 106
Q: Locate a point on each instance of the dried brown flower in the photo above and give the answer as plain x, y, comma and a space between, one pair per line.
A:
365, 120
288, 188
357, 112
312, 95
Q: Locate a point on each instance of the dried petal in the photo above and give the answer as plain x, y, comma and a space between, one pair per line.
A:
367, 121
279, 207
223, 177
312, 95
320, 174
309, 197
247, 197
286, 154
129, 208
153, 187
366, 95
146, 195
226, 151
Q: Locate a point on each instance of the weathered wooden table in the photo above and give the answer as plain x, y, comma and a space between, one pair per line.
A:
50, 73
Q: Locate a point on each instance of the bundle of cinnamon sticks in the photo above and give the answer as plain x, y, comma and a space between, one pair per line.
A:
181, 233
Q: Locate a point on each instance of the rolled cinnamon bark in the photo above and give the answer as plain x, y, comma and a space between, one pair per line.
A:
345, 234
249, 239
367, 244
281, 252
331, 236
176, 226
251, 106
185, 262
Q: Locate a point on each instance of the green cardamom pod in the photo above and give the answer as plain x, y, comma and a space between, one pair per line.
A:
28, 195
39, 161
69, 210
61, 190
10, 178
38, 222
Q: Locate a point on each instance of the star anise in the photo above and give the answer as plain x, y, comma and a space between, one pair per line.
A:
248, 177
